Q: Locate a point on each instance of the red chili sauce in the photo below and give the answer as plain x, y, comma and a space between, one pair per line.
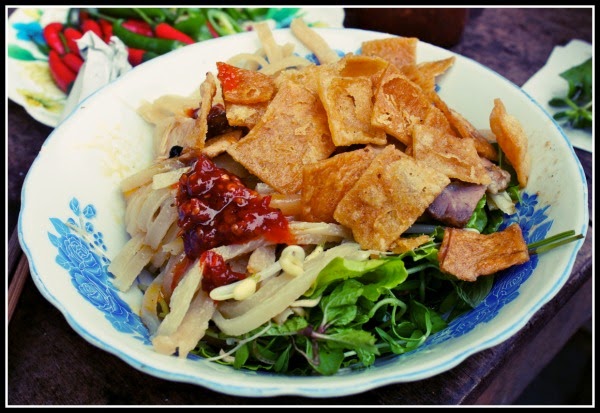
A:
216, 208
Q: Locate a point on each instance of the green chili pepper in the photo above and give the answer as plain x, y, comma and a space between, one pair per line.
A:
222, 22
149, 56
195, 27
236, 14
137, 41
256, 13
156, 14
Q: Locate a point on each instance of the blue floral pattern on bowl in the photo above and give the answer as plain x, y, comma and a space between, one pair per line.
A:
81, 251
535, 225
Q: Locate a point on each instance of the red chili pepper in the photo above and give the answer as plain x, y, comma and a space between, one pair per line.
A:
92, 25
52, 36
62, 75
71, 35
135, 56
106, 27
83, 15
139, 27
166, 31
211, 29
73, 61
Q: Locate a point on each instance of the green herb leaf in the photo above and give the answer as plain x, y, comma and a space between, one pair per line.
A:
578, 102
341, 269
241, 356
473, 293
283, 360
580, 81
328, 361
479, 218
339, 307
425, 318
351, 339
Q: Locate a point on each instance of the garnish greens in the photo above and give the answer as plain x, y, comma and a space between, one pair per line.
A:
577, 104
366, 310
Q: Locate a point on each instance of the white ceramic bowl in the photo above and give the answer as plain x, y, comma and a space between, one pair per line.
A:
71, 222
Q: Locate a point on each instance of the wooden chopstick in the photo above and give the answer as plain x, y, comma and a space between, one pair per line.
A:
16, 285
19, 272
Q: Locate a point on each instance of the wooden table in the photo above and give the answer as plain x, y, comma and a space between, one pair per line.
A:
50, 364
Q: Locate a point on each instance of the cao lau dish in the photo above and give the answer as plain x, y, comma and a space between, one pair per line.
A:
306, 218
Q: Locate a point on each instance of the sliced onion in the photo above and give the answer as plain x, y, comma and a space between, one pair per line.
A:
180, 300
190, 331
148, 312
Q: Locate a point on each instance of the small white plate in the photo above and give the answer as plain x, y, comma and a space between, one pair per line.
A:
547, 84
71, 222
28, 81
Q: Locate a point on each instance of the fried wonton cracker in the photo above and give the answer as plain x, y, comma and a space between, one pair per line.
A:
405, 244
435, 118
348, 103
307, 76
217, 145
245, 115
388, 198
399, 104
424, 74
468, 254
455, 157
244, 86
465, 129
399, 51
326, 182
512, 140
293, 132
352, 65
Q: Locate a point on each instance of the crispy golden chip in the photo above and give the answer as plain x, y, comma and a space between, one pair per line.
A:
435, 118
512, 140
399, 104
455, 157
388, 198
326, 182
348, 103
245, 115
306, 76
357, 65
468, 254
399, 51
293, 132
217, 145
405, 244
424, 74
244, 86
465, 129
